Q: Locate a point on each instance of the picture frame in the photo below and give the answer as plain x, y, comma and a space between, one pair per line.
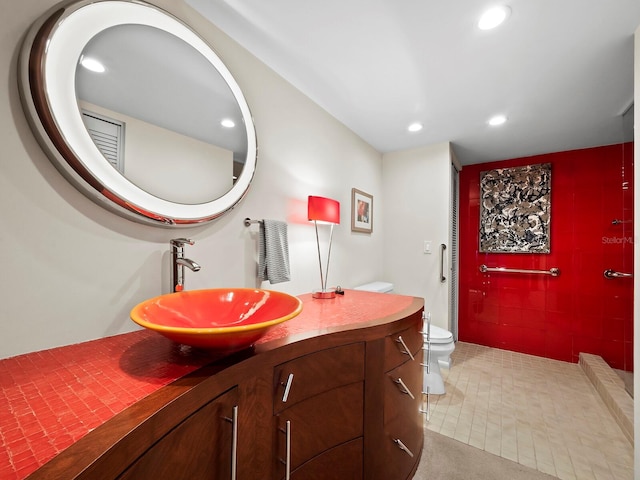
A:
361, 211
515, 209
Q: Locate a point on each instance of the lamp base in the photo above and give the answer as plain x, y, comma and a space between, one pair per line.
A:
323, 294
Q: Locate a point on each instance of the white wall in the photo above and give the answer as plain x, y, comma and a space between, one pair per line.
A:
417, 191
156, 160
71, 271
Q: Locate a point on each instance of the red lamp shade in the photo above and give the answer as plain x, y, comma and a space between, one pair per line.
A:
324, 209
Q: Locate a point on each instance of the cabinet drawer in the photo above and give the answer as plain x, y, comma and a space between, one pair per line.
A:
320, 423
403, 390
339, 463
395, 352
315, 373
399, 463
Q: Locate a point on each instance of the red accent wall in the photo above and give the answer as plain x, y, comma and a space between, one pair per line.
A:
579, 311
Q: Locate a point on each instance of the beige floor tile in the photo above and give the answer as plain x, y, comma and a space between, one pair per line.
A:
602, 473
477, 439
548, 468
621, 471
526, 460
542, 413
563, 474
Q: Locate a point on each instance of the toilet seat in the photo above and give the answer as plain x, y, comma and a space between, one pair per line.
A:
439, 335
380, 287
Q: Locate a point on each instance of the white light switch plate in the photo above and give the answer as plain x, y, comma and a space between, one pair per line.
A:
427, 246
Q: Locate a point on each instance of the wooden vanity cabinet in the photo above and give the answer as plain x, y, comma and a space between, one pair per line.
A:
337, 393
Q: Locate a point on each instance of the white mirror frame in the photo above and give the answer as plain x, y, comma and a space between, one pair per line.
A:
47, 68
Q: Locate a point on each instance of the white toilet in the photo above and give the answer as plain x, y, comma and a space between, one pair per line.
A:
437, 352
441, 342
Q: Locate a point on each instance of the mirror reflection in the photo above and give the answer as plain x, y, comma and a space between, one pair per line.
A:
161, 113
129, 72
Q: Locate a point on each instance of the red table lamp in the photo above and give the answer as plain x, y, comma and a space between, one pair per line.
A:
324, 210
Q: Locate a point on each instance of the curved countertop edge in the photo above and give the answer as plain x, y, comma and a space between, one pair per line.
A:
95, 445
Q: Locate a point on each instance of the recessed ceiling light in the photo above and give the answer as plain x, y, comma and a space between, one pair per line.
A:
497, 120
415, 127
493, 17
92, 64
228, 123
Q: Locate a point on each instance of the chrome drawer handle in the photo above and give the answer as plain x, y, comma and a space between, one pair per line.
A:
404, 345
287, 456
405, 389
287, 388
234, 441
234, 444
287, 462
403, 447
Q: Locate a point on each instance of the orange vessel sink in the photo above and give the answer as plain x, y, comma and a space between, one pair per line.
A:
217, 318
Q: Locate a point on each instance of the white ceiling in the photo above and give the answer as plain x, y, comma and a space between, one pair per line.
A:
561, 70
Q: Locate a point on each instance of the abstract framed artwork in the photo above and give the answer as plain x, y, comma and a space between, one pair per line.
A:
361, 211
515, 209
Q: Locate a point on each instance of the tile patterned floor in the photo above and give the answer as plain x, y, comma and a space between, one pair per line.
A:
539, 412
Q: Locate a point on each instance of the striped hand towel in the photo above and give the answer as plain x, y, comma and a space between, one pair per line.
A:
273, 256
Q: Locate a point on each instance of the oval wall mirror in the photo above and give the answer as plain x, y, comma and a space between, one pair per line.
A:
138, 111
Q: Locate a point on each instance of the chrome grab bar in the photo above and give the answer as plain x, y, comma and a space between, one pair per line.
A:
613, 274
443, 247
554, 272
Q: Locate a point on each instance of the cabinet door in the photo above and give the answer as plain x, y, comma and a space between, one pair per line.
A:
319, 424
199, 447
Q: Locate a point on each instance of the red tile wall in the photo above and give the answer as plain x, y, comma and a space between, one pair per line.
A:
579, 311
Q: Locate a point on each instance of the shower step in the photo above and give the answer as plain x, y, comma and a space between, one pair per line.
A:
611, 389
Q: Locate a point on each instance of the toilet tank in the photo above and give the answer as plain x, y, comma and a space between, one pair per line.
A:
380, 287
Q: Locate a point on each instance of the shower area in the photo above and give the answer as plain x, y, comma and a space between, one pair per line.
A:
514, 303
622, 227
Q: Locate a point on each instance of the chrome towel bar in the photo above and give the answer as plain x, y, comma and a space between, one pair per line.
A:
247, 221
554, 272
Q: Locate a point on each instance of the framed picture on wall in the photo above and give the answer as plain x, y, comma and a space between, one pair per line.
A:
361, 211
515, 209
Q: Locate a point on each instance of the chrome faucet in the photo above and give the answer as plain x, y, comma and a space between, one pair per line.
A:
178, 262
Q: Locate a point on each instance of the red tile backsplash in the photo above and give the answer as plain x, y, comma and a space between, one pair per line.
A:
579, 311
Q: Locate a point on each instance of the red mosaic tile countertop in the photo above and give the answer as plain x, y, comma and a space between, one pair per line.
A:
52, 398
